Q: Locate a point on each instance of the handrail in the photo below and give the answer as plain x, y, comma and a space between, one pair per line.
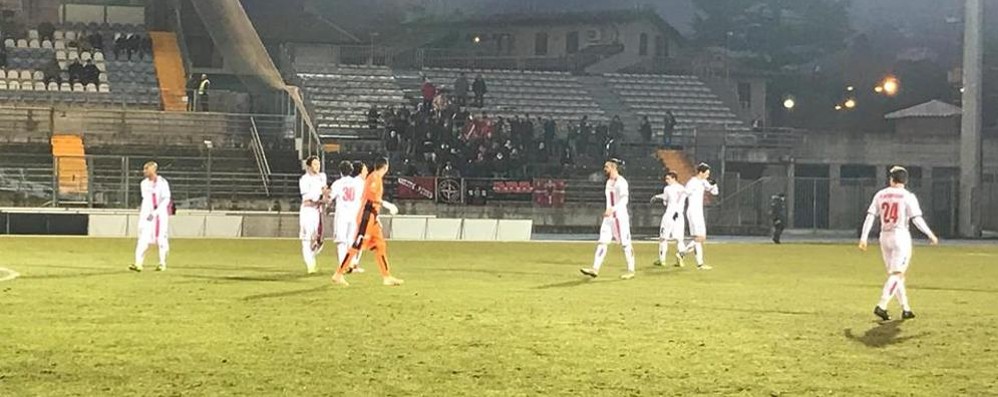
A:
720, 202
261, 156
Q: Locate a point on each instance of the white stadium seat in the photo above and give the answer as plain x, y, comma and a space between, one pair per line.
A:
77, 87
9, 43
65, 87
104, 88
53, 86
22, 43
40, 86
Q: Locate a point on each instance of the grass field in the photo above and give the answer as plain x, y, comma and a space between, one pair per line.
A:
237, 317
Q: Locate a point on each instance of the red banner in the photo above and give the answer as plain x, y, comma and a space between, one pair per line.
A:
416, 188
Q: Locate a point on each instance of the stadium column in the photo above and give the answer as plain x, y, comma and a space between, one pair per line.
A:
791, 192
970, 134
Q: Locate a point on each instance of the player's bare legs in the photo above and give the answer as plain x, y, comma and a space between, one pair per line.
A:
697, 248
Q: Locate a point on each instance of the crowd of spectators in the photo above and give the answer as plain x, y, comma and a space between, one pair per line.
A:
439, 137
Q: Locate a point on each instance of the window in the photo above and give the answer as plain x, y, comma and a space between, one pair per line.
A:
643, 44
857, 175
572, 43
541, 44
661, 47
745, 95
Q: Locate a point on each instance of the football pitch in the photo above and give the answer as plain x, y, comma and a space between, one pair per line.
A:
238, 317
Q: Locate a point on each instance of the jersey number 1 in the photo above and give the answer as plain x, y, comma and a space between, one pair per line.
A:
889, 212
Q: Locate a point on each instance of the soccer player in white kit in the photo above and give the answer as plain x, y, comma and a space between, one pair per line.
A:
154, 217
895, 206
314, 195
696, 188
673, 222
347, 192
616, 221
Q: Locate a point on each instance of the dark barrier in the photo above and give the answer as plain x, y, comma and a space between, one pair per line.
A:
44, 224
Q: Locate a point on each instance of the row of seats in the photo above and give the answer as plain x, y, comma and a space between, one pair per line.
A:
510, 92
341, 96
690, 101
15, 85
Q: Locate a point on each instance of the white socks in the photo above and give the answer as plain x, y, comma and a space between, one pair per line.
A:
341, 252
890, 287
164, 248
663, 250
308, 254
681, 246
698, 248
600, 255
902, 295
629, 257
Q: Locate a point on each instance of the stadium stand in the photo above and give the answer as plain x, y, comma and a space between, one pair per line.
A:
558, 95
341, 95
690, 100
123, 80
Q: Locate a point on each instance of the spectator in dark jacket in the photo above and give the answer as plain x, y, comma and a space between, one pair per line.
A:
670, 127
645, 129
53, 73
75, 71
480, 89
46, 31
372, 117
461, 90
91, 75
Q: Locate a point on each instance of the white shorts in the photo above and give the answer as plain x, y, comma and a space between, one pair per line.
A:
344, 229
155, 230
896, 248
698, 227
615, 228
310, 224
672, 227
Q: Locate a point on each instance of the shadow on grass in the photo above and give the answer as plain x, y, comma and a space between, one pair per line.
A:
565, 284
74, 275
285, 294
284, 277
496, 272
883, 335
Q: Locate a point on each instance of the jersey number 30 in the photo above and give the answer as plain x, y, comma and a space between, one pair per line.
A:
889, 212
348, 194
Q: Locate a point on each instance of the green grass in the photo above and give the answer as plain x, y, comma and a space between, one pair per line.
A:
237, 318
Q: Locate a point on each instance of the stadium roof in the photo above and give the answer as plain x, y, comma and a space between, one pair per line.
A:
561, 18
933, 108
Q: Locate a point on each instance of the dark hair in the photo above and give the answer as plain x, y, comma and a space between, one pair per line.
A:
618, 162
702, 167
380, 163
672, 174
899, 174
310, 159
345, 168
358, 166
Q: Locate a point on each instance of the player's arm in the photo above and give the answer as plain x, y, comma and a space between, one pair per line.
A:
712, 187
915, 213
871, 215
163, 206
308, 196
621, 204
392, 209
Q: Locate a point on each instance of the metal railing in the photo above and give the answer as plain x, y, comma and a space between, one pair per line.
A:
260, 155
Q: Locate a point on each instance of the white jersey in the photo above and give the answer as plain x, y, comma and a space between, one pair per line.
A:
311, 187
347, 192
616, 196
895, 207
695, 190
674, 197
155, 198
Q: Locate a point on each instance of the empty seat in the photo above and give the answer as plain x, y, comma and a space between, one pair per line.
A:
98, 57
104, 88
22, 43
60, 55
40, 86
27, 86
3, 85
85, 56
9, 43
65, 87
14, 85
70, 35
59, 45
102, 78
46, 44
25, 75
33, 34
38, 76
77, 87
53, 86
59, 35
73, 55
34, 43
91, 87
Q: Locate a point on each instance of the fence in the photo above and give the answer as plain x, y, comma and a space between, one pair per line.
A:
229, 182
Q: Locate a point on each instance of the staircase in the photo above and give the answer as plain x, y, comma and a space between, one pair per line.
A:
169, 70
71, 165
612, 104
678, 161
